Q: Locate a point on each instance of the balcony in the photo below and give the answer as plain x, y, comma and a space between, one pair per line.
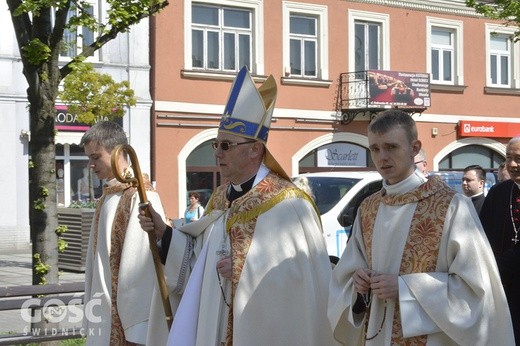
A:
368, 92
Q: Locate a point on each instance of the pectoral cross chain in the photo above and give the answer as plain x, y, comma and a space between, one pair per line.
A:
223, 252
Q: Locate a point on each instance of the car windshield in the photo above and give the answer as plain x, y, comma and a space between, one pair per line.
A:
328, 191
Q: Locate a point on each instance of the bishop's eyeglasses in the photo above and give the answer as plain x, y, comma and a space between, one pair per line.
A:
225, 146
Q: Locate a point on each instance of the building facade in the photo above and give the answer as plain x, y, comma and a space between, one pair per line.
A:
125, 58
316, 50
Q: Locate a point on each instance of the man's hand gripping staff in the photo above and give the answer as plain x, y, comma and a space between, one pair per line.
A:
137, 181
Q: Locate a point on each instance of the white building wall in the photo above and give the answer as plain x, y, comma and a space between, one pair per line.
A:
125, 58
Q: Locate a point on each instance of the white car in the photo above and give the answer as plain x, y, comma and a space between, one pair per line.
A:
337, 196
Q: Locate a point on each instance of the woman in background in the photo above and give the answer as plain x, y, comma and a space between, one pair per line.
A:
194, 210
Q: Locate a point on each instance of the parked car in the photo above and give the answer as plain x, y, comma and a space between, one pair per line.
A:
338, 193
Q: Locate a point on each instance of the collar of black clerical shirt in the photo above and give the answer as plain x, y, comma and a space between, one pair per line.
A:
236, 191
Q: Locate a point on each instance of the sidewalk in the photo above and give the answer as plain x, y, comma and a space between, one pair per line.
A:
15, 270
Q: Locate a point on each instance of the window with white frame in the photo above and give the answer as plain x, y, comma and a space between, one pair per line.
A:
74, 41
442, 55
221, 37
444, 43
305, 45
367, 48
368, 41
500, 60
503, 57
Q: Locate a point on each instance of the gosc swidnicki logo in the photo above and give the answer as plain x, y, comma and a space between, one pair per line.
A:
55, 310
467, 128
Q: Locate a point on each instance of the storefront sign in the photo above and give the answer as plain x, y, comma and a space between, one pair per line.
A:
66, 121
342, 155
402, 89
488, 129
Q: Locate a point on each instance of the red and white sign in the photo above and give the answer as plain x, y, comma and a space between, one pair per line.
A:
488, 129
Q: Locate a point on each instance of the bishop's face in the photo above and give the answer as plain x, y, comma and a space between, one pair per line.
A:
513, 161
236, 163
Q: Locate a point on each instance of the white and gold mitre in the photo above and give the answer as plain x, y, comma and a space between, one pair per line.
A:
249, 110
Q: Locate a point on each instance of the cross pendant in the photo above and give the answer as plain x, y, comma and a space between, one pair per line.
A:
223, 252
515, 239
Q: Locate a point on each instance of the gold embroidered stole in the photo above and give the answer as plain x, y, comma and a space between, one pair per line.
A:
422, 246
241, 223
117, 237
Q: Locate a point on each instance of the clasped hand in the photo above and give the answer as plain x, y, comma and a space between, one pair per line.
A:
383, 286
224, 267
154, 223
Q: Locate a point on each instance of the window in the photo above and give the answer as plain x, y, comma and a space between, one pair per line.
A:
74, 41
221, 38
303, 42
368, 41
444, 42
305, 45
442, 55
367, 52
500, 60
503, 58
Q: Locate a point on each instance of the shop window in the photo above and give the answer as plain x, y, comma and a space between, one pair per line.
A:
75, 181
202, 174
471, 155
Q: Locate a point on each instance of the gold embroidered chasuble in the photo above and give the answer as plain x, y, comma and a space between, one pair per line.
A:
422, 245
117, 237
241, 223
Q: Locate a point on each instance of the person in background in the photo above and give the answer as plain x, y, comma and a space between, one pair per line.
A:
119, 276
500, 217
254, 270
194, 211
418, 269
473, 182
502, 173
421, 163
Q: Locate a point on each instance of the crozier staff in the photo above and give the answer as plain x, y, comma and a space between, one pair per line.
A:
119, 275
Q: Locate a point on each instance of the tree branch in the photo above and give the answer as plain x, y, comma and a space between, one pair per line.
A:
114, 31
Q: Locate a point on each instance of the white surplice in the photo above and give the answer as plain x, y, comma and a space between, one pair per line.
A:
136, 277
462, 302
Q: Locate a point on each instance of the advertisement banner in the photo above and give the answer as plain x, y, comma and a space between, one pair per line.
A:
402, 89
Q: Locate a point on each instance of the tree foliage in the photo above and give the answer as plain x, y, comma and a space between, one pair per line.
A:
91, 95
506, 10
39, 27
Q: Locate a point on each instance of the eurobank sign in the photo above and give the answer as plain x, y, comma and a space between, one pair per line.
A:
488, 129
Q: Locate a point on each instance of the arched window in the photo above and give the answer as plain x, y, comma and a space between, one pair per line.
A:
471, 155
202, 174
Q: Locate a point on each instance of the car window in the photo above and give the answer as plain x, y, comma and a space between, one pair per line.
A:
347, 215
329, 190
